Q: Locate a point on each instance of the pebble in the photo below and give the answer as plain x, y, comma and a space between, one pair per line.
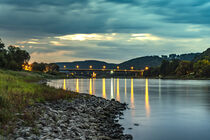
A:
85, 117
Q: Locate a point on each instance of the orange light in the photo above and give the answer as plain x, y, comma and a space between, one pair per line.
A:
64, 66
90, 67
118, 67
146, 68
94, 75
77, 66
132, 68
104, 67
27, 67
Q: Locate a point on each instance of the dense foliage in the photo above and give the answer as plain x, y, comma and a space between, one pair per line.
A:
44, 67
200, 67
12, 58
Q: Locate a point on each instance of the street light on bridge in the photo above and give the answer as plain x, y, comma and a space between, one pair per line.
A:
118, 67
77, 66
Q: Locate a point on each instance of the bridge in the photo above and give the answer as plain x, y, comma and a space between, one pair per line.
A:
103, 72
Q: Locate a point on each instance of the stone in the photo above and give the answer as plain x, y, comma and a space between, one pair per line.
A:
20, 138
85, 117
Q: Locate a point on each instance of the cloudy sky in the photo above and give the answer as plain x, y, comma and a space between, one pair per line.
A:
108, 30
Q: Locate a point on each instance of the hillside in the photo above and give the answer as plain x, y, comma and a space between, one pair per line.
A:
203, 55
137, 63
85, 64
141, 62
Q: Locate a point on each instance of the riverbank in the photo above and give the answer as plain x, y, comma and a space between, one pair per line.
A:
85, 117
29, 110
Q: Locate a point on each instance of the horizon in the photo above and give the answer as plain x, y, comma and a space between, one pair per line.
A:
105, 30
121, 61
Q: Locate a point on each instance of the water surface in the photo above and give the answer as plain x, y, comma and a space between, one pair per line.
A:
164, 109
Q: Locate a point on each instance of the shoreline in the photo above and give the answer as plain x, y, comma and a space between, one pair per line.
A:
84, 117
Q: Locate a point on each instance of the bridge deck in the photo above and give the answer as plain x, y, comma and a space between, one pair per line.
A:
63, 69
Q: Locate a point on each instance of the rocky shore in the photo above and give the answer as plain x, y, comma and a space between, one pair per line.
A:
83, 118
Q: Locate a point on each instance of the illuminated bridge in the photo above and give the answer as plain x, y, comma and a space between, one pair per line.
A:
103, 72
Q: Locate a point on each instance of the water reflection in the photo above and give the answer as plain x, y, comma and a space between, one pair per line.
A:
112, 94
114, 87
125, 90
64, 84
90, 87
77, 85
118, 90
147, 106
104, 87
94, 85
162, 106
132, 95
160, 88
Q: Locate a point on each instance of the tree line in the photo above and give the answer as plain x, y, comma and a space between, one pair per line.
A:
196, 68
13, 58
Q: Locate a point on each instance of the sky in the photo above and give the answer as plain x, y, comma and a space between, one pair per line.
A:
107, 30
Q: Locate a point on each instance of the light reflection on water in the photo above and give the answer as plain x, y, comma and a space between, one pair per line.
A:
165, 109
147, 107
104, 88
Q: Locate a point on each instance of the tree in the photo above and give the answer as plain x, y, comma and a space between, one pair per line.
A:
172, 56
173, 66
18, 55
1, 45
38, 67
184, 68
164, 67
202, 68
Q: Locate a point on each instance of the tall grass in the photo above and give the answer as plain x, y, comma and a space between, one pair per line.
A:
19, 90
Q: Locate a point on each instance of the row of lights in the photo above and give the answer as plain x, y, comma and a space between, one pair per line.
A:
104, 67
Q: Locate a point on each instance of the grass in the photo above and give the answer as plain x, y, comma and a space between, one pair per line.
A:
18, 90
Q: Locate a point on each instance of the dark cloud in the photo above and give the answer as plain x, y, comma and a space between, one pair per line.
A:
47, 17
25, 19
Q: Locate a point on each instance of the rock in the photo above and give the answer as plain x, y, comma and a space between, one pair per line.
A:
85, 117
20, 138
136, 124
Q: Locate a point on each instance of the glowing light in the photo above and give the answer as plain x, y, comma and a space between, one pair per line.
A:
132, 95
118, 67
146, 68
104, 88
112, 94
64, 84
90, 87
147, 106
64, 66
94, 75
77, 85
125, 90
118, 90
104, 67
27, 67
77, 66
132, 68
90, 67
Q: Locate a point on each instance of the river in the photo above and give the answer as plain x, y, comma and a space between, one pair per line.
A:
164, 109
